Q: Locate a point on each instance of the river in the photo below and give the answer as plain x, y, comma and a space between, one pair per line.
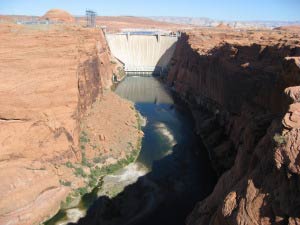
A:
170, 175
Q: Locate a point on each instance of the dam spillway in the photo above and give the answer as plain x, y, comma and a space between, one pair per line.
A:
142, 52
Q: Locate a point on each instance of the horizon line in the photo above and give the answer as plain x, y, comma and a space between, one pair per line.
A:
149, 17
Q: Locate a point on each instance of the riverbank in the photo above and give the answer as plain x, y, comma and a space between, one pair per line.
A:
50, 77
170, 169
44, 155
105, 148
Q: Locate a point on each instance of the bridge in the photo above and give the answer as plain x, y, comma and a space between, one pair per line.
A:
145, 70
143, 53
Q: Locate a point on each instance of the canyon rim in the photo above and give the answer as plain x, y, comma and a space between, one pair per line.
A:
104, 118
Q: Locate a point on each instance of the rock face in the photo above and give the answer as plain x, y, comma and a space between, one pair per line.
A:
58, 15
223, 26
295, 28
245, 99
49, 79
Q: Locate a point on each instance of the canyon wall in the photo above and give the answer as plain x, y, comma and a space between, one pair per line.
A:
244, 91
49, 77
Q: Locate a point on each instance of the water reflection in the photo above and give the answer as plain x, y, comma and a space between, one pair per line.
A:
171, 173
178, 171
144, 90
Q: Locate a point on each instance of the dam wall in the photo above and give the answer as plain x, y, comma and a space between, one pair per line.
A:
142, 52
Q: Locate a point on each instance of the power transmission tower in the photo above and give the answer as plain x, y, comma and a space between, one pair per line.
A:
90, 18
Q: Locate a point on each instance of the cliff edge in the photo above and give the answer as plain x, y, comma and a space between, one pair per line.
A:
244, 91
52, 79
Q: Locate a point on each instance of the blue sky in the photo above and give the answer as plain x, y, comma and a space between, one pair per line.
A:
285, 10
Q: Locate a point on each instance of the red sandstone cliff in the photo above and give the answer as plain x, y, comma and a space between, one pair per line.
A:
244, 91
50, 78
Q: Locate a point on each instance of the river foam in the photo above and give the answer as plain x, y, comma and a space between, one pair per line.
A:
167, 135
115, 183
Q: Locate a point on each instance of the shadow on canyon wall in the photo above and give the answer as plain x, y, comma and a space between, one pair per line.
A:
238, 110
168, 193
165, 59
163, 196
241, 99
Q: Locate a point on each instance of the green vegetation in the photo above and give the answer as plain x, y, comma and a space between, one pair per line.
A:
79, 172
68, 199
67, 202
84, 137
139, 121
97, 160
279, 139
83, 140
69, 165
94, 146
81, 191
65, 183
121, 72
97, 173
130, 145
92, 182
84, 160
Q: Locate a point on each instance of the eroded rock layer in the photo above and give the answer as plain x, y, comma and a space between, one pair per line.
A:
50, 78
243, 89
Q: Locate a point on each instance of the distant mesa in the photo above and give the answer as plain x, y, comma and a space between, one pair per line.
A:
58, 15
223, 26
295, 28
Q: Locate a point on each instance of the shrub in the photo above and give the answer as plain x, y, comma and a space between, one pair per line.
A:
69, 165
85, 162
79, 172
81, 190
93, 182
130, 144
279, 139
65, 183
84, 137
68, 200
97, 160
96, 173
121, 72
114, 167
130, 158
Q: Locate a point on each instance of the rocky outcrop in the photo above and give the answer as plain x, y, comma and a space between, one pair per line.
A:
49, 79
243, 90
295, 28
58, 15
223, 26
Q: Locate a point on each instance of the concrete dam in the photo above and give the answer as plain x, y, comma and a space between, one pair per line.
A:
142, 53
